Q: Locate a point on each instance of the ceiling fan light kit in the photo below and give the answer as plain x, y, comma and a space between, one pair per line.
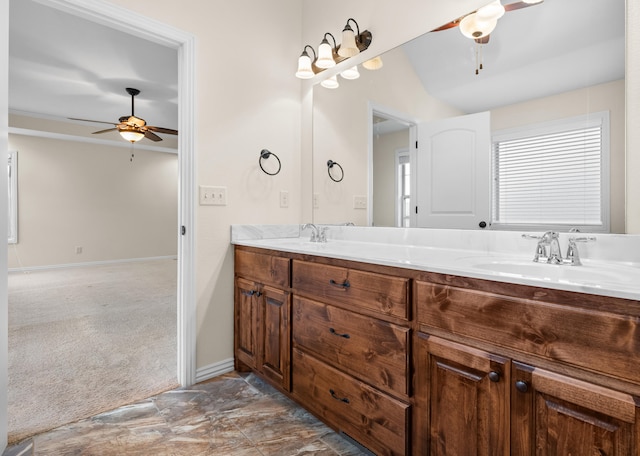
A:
329, 56
133, 128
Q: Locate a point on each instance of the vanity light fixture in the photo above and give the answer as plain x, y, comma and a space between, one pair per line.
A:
351, 73
331, 83
328, 56
348, 47
305, 69
373, 64
325, 53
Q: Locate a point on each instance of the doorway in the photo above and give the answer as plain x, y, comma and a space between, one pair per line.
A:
134, 24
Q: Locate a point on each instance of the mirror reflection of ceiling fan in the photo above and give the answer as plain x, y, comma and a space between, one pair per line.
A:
479, 24
133, 128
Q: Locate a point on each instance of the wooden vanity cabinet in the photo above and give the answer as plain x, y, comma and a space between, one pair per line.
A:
351, 347
262, 337
536, 408
554, 414
461, 400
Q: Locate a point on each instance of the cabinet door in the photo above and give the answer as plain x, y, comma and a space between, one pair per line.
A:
276, 336
247, 323
555, 415
464, 407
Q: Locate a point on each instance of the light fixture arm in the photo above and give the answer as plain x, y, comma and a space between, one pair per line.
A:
324, 39
304, 51
346, 27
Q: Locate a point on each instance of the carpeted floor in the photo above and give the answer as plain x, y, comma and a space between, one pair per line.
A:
86, 340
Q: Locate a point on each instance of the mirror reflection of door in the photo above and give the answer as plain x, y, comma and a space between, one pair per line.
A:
390, 173
454, 172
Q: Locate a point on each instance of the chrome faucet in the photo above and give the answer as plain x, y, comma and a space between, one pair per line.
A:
317, 234
548, 248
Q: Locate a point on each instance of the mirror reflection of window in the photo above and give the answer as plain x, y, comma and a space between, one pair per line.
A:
403, 197
12, 170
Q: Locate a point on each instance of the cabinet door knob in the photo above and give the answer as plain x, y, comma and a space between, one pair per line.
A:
522, 386
494, 376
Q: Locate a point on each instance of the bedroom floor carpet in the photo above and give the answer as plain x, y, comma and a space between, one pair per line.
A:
88, 339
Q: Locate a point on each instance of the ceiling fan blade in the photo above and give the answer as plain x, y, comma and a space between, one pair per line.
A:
152, 136
447, 26
103, 131
167, 131
519, 5
94, 121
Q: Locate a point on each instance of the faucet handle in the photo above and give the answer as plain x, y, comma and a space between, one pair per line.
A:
573, 256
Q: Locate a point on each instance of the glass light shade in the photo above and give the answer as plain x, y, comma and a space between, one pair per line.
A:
373, 64
304, 67
473, 27
325, 55
348, 47
330, 83
351, 73
131, 135
493, 10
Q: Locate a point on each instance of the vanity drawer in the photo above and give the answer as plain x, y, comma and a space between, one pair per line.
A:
368, 348
383, 294
597, 340
374, 419
263, 268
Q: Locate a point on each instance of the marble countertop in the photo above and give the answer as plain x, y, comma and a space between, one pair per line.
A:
506, 264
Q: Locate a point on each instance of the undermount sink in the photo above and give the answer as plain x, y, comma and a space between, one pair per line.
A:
591, 274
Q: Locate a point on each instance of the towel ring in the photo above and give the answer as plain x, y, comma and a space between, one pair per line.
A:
330, 165
265, 154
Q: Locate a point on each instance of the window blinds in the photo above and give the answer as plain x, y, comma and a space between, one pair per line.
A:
550, 178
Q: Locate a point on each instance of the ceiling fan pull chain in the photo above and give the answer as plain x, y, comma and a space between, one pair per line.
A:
131, 158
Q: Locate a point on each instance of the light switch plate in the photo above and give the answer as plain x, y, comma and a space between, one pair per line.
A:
359, 202
213, 196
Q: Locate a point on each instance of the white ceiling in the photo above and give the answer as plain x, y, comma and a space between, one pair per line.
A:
64, 66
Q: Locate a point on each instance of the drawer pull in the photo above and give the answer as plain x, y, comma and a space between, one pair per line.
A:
252, 293
345, 335
344, 284
494, 376
341, 399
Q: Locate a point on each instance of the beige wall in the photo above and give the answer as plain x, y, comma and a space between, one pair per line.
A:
603, 97
4, 126
75, 194
633, 118
247, 99
384, 175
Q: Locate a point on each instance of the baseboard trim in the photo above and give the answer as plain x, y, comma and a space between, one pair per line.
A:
214, 370
91, 263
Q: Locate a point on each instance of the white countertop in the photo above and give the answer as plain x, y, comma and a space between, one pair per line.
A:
503, 257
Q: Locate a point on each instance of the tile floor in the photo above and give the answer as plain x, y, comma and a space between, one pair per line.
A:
234, 414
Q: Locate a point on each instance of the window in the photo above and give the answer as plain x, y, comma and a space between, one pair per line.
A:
553, 175
12, 170
403, 203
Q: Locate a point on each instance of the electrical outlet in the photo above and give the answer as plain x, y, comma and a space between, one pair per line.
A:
284, 198
78, 249
316, 201
359, 202
213, 196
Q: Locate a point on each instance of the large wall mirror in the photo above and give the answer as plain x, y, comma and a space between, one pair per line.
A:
558, 59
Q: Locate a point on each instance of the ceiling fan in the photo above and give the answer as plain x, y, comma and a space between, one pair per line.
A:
479, 24
133, 128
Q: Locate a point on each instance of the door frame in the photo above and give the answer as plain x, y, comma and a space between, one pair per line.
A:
412, 123
121, 19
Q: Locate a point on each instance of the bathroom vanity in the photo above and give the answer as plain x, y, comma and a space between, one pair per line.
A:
414, 349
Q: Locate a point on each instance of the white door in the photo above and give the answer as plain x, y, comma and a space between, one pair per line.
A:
454, 173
